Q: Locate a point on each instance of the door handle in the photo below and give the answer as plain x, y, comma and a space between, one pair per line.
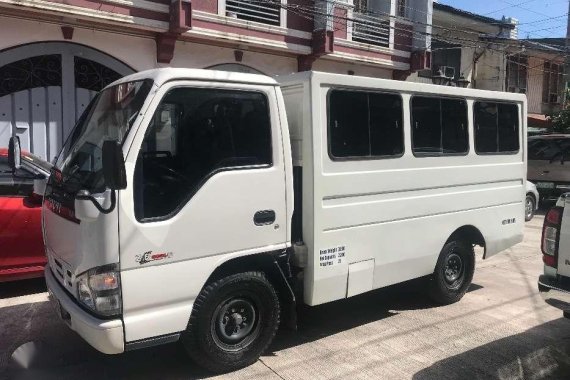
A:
264, 217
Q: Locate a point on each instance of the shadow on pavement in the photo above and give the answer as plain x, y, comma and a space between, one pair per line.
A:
35, 344
542, 352
22, 288
317, 322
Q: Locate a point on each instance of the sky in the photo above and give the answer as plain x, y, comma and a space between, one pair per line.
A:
537, 18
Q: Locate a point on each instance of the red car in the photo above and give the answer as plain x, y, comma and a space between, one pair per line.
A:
22, 252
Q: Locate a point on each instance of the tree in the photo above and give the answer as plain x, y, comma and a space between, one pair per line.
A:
561, 120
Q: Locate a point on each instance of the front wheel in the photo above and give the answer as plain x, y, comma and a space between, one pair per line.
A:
529, 208
234, 319
453, 272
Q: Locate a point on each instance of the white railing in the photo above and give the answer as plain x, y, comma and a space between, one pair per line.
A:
370, 29
266, 12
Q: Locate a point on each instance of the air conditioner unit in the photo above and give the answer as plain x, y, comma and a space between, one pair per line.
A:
448, 71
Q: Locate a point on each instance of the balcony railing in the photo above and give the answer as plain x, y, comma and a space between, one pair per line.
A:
266, 12
371, 29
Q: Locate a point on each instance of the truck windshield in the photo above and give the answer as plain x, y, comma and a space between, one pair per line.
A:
109, 116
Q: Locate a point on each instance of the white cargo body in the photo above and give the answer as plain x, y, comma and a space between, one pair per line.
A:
193, 204
386, 220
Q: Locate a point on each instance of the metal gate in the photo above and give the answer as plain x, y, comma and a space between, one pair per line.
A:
44, 88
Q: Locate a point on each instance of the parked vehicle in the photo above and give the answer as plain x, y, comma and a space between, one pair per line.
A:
531, 202
22, 252
547, 164
554, 284
189, 204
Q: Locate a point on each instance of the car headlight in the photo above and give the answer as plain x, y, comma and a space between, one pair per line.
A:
99, 289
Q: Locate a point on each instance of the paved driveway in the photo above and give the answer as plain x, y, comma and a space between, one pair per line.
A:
501, 330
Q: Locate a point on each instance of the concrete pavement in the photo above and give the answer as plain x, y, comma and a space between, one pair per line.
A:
501, 330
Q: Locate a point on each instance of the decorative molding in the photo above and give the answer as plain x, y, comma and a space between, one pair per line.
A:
142, 4
386, 63
86, 13
165, 43
372, 48
218, 19
67, 32
239, 38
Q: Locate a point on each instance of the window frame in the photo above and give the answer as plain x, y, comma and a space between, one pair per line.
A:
468, 136
212, 173
505, 153
332, 157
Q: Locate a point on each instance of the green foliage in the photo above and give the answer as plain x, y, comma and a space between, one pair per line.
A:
561, 120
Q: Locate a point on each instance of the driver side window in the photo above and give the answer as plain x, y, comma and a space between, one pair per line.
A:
194, 134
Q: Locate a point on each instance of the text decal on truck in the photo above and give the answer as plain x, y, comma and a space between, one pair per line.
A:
147, 257
331, 256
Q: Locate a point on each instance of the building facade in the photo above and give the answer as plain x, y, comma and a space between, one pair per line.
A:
55, 55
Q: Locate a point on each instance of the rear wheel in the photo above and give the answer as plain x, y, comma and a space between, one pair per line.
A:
233, 321
529, 207
453, 272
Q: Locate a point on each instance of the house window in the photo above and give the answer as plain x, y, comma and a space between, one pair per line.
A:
446, 57
552, 83
517, 68
360, 6
266, 12
401, 11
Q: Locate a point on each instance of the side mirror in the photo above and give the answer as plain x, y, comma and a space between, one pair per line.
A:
114, 171
14, 153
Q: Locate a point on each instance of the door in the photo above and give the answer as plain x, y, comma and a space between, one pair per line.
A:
206, 184
44, 89
21, 242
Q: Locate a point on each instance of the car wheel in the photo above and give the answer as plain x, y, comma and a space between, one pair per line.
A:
234, 319
529, 207
453, 272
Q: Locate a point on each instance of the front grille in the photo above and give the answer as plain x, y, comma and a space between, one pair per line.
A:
62, 272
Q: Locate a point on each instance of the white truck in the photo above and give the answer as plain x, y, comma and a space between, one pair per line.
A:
200, 205
554, 284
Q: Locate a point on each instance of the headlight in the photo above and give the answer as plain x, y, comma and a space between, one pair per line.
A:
100, 290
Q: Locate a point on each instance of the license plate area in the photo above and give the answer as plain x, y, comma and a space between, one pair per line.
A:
60, 310
545, 185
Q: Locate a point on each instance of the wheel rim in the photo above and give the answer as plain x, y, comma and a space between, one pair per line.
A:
235, 323
454, 270
528, 208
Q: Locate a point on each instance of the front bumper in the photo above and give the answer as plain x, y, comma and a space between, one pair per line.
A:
104, 335
554, 293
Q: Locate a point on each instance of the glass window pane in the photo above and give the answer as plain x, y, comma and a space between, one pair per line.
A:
426, 125
486, 137
194, 134
454, 126
348, 124
508, 125
386, 133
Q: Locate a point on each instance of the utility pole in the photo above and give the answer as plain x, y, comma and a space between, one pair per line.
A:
566, 99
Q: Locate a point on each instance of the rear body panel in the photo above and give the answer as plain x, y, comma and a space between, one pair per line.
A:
396, 212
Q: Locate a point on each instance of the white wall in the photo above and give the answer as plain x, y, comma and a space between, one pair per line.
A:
137, 52
343, 68
191, 55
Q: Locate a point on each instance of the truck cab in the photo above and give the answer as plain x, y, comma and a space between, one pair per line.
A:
205, 178
554, 284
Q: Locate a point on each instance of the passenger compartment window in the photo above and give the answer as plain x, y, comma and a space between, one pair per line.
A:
364, 125
195, 133
496, 128
439, 126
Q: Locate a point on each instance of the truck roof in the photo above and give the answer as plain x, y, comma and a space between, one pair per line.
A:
163, 75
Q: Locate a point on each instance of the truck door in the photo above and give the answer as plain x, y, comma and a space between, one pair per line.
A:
206, 182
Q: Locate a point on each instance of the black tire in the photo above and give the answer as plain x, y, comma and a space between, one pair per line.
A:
529, 207
453, 272
246, 302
